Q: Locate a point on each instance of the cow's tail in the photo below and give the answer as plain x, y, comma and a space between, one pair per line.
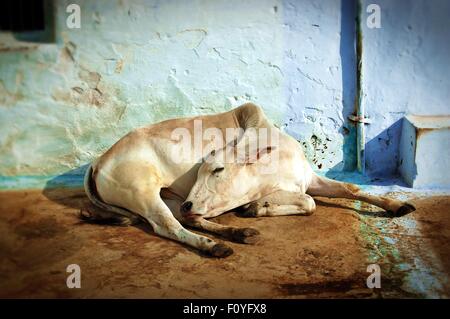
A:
104, 213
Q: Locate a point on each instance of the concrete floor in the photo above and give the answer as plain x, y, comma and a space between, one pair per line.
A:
323, 255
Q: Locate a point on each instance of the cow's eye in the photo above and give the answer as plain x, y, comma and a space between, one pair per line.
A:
218, 169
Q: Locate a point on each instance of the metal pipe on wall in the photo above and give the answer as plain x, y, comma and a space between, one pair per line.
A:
359, 106
359, 116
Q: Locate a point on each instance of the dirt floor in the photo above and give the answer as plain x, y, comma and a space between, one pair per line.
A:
323, 255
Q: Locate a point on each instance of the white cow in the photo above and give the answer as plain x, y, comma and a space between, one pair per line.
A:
140, 179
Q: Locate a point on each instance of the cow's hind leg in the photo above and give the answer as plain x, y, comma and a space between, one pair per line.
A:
237, 234
280, 203
321, 186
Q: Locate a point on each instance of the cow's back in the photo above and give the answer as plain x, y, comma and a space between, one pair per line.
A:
157, 148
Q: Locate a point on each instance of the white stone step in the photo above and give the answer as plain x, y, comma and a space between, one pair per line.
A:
425, 151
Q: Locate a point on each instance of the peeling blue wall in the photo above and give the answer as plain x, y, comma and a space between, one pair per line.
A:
133, 63
320, 68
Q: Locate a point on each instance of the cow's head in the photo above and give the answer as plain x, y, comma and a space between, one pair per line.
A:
228, 178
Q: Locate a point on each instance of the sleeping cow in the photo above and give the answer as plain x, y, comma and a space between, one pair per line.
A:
157, 175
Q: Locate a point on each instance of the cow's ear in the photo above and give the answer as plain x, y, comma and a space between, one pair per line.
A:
254, 155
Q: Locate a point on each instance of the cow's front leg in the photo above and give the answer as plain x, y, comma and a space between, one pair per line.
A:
165, 224
240, 235
322, 186
236, 234
281, 203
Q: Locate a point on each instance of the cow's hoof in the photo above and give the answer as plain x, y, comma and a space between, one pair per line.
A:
250, 211
245, 235
221, 251
406, 208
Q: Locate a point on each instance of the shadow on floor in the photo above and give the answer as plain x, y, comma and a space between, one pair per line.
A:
67, 189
